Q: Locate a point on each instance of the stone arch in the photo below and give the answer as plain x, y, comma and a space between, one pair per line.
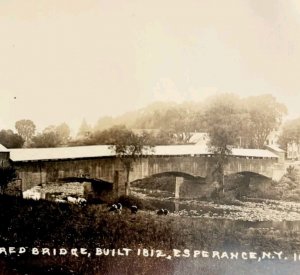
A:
105, 184
94, 189
173, 183
245, 183
249, 177
253, 174
177, 174
186, 176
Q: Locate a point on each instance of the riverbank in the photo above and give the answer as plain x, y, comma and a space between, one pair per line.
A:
248, 209
44, 224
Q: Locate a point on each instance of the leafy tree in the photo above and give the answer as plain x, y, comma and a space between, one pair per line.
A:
223, 126
45, 140
9, 139
259, 116
290, 133
104, 123
63, 132
163, 137
52, 136
84, 129
25, 128
106, 136
178, 121
265, 115
129, 146
7, 174
153, 115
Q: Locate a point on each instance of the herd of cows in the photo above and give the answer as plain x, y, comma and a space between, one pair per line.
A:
115, 208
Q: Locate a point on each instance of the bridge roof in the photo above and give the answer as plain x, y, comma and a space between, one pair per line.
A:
3, 149
256, 153
33, 154
204, 150
94, 151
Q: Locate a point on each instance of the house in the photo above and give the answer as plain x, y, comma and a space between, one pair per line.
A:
199, 138
293, 151
272, 139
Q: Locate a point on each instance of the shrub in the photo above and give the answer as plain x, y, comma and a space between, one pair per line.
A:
291, 173
7, 174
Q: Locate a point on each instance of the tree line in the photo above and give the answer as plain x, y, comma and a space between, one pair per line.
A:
227, 118
26, 136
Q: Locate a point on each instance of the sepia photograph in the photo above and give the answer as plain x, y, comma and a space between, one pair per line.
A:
149, 137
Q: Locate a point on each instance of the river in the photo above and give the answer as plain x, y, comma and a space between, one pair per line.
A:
242, 214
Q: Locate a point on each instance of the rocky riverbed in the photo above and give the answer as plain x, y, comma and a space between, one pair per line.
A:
57, 190
256, 210
246, 210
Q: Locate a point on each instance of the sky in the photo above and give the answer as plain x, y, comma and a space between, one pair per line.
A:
62, 60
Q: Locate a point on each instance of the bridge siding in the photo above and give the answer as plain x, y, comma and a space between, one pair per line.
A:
41, 172
34, 173
199, 166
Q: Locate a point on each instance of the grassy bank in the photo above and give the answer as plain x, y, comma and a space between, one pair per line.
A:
28, 223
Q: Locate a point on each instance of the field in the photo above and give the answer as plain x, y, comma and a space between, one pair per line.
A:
43, 224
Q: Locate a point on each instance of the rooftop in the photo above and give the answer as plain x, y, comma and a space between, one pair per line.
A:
93, 151
3, 149
275, 148
200, 138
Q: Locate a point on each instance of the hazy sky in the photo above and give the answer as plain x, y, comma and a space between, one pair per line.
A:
65, 60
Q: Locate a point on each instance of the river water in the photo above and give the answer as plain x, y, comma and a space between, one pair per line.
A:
257, 214
272, 214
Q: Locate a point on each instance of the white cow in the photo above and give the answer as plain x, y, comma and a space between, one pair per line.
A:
60, 201
79, 201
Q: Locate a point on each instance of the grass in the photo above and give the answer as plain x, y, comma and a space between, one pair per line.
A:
46, 224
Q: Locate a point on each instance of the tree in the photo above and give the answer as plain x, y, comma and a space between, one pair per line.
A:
25, 128
11, 140
45, 140
128, 147
163, 137
7, 174
223, 119
290, 133
265, 116
63, 132
179, 121
106, 136
84, 129
52, 136
104, 123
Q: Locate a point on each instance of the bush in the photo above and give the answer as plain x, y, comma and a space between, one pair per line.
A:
7, 174
291, 173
